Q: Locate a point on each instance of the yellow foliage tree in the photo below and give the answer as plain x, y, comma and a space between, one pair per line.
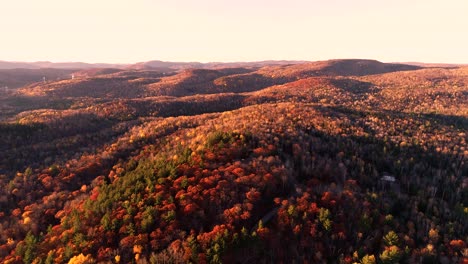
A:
81, 259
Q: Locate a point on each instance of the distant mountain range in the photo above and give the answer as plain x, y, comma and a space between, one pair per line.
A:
56, 65
167, 65
154, 64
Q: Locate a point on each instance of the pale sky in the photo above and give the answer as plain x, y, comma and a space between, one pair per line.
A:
127, 31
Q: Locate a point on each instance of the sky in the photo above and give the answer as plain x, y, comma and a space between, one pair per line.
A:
129, 31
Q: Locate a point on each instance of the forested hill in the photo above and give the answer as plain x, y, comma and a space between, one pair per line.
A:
341, 161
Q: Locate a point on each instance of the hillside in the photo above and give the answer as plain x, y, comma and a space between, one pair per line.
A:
341, 161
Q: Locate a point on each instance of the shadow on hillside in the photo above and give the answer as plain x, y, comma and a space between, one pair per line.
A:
416, 167
353, 86
18, 103
459, 122
38, 144
250, 82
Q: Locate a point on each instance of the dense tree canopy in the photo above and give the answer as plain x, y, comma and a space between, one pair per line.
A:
290, 164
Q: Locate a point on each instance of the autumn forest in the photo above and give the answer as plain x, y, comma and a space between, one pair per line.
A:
339, 161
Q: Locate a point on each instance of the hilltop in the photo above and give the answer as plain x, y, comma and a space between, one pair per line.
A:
337, 161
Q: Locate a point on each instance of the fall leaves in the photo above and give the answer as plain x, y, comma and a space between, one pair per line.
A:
230, 186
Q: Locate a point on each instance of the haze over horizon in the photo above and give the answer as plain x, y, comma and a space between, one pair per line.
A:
220, 31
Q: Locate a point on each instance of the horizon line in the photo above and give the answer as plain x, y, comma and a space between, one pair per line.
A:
224, 62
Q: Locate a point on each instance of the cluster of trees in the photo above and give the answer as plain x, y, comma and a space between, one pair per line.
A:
440, 91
